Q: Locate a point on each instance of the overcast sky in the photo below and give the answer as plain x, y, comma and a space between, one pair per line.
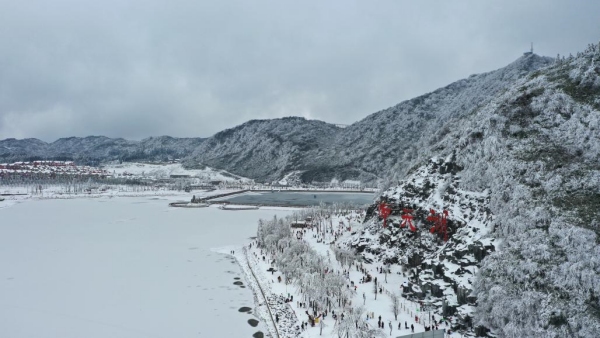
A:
135, 69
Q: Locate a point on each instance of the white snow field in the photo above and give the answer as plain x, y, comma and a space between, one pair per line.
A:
123, 267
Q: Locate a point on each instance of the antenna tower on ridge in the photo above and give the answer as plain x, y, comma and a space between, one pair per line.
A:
530, 51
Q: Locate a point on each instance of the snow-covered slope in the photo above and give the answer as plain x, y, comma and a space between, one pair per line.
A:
439, 272
527, 187
265, 149
394, 136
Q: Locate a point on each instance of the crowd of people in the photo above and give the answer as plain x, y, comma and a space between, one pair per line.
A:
323, 230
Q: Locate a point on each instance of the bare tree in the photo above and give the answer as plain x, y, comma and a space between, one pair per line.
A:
375, 289
395, 307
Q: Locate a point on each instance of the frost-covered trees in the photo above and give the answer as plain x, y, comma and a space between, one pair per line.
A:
344, 256
301, 264
354, 325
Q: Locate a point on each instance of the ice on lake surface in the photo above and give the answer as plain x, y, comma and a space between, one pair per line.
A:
121, 268
283, 198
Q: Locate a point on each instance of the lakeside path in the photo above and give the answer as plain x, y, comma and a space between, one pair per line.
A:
291, 315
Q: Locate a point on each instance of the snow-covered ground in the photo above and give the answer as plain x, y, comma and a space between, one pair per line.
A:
123, 267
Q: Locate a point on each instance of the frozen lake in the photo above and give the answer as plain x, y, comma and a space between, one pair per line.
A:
284, 198
122, 267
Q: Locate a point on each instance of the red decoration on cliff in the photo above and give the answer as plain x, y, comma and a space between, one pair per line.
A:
384, 212
407, 219
440, 223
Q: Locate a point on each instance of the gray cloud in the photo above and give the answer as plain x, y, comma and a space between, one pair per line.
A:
191, 68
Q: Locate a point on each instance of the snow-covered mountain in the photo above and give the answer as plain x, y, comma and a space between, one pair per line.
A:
96, 149
365, 150
524, 198
394, 137
266, 149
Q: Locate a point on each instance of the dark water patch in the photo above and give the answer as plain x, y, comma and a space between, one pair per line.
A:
258, 334
238, 283
253, 322
242, 286
244, 309
236, 278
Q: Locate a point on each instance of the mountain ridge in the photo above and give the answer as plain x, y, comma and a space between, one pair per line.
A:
267, 150
97, 149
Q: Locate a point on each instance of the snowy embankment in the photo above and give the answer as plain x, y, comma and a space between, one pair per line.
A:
306, 262
59, 191
260, 298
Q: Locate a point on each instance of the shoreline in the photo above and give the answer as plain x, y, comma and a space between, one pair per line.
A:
260, 298
269, 306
